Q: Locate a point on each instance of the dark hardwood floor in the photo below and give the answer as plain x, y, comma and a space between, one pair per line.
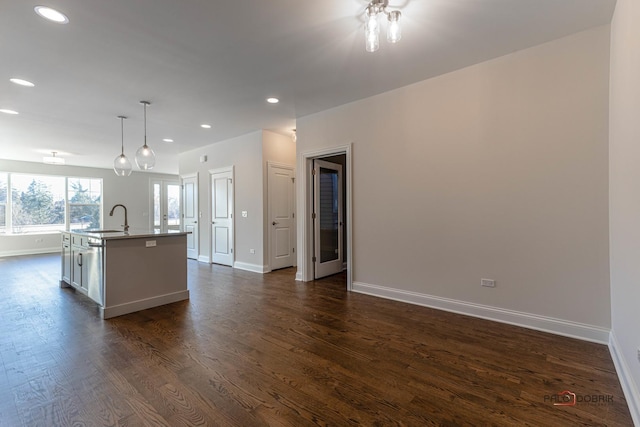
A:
252, 350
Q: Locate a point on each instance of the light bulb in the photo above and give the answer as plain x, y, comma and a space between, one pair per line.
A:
394, 32
122, 165
145, 157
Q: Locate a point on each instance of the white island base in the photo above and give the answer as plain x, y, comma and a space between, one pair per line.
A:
138, 270
137, 277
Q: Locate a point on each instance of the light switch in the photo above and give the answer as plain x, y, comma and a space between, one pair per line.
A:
244, 214
150, 243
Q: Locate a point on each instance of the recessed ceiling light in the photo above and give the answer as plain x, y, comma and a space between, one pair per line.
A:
168, 140
205, 126
4, 110
51, 14
273, 100
21, 82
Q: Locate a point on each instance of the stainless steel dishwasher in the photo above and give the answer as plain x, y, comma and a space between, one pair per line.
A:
94, 257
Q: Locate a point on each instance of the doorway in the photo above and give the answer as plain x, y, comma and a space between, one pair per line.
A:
166, 206
306, 205
222, 230
190, 214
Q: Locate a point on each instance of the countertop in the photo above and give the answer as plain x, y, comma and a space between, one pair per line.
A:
131, 234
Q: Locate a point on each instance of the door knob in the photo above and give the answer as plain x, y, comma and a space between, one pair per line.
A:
273, 223
195, 222
213, 222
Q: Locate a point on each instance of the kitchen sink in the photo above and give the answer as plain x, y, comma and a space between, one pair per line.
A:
103, 231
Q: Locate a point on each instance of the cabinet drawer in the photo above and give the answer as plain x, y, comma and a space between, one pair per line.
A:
66, 238
78, 240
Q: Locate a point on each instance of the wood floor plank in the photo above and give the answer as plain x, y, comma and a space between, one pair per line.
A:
252, 350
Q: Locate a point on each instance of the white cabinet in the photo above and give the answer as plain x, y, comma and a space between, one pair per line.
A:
65, 276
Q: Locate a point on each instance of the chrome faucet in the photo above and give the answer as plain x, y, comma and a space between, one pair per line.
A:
126, 222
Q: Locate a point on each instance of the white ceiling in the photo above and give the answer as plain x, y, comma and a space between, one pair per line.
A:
200, 61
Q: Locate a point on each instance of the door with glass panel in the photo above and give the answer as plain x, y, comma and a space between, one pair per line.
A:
327, 218
166, 206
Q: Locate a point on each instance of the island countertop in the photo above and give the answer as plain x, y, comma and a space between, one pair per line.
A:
131, 234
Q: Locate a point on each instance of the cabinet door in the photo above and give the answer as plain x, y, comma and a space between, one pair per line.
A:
67, 261
77, 262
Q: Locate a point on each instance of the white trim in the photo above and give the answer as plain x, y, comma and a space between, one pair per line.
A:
21, 252
256, 268
143, 304
304, 230
629, 387
204, 258
552, 325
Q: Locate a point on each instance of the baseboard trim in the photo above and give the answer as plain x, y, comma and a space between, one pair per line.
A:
299, 276
203, 258
527, 320
251, 267
31, 252
629, 387
143, 304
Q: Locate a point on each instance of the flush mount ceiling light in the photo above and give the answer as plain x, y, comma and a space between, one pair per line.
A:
53, 160
21, 82
122, 165
205, 126
273, 100
6, 111
51, 14
145, 157
372, 26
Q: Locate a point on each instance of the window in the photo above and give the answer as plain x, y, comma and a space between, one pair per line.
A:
37, 203
85, 201
45, 204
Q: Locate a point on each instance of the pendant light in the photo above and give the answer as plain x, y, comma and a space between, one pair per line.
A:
145, 157
122, 165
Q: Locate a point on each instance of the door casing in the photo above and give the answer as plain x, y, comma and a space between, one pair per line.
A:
305, 208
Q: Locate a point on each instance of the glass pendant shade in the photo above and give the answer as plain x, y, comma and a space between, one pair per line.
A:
372, 31
122, 165
394, 33
145, 157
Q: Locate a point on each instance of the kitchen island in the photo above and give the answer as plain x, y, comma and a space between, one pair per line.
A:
124, 272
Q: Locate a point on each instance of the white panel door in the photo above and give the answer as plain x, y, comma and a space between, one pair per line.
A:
190, 214
222, 217
327, 218
281, 217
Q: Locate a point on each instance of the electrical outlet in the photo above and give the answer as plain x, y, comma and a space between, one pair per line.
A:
488, 283
150, 243
252, 251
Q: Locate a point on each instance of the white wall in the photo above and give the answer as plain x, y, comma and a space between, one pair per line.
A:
132, 191
624, 161
245, 154
498, 170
